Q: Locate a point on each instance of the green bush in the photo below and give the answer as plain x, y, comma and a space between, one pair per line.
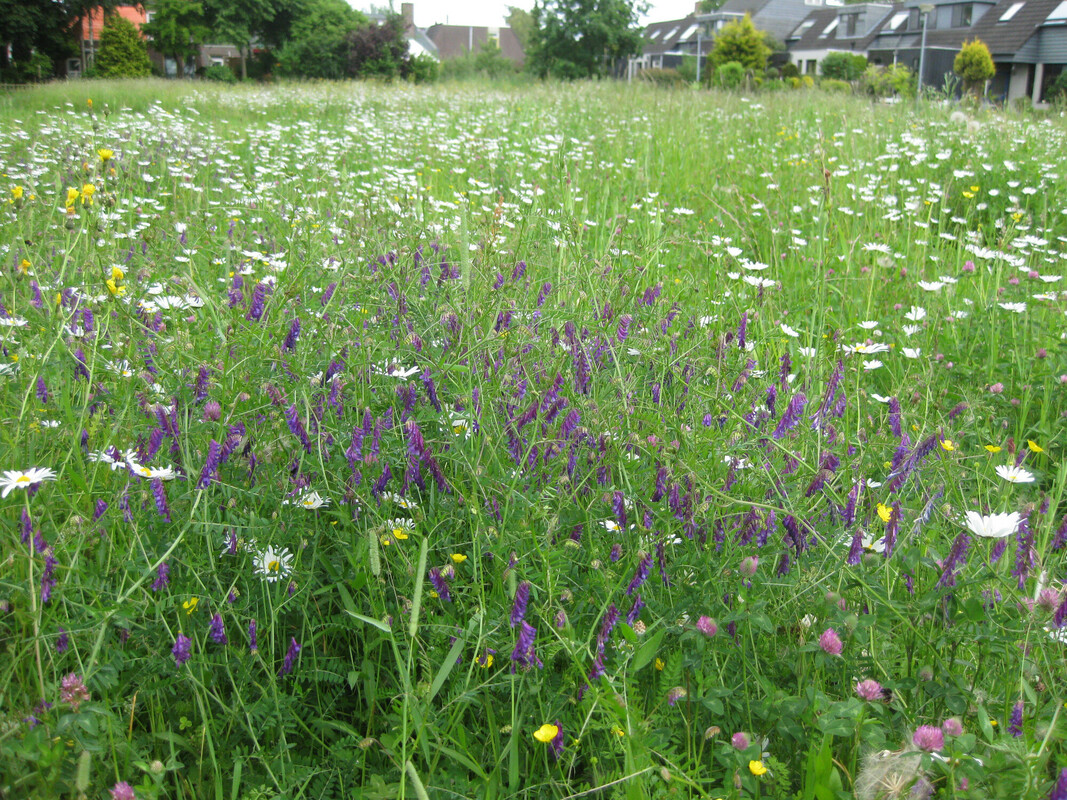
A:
220, 73
835, 86
729, 75
843, 66
974, 63
122, 53
424, 68
790, 70
37, 68
895, 79
1057, 90
743, 42
670, 78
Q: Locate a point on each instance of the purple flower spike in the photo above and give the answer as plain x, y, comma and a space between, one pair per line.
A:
518, 609
290, 658
1059, 791
182, 650
218, 630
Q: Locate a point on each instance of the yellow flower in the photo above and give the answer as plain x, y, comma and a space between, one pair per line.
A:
458, 558
89, 102
757, 768
72, 197
105, 154
115, 289
117, 274
191, 604
488, 662
1034, 446
87, 193
399, 533
947, 445
546, 733
16, 192
968, 195
993, 448
24, 267
618, 731
975, 188
659, 664
885, 512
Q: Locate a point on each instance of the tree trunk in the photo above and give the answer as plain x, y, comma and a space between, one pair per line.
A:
179, 60
91, 59
244, 64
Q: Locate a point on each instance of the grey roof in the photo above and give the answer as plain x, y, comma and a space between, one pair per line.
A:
664, 37
1007, 38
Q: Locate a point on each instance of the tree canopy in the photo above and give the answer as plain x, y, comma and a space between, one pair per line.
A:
318, 41
176, 29
582, 38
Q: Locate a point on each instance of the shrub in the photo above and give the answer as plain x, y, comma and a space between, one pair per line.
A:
122, 53
807, 82
670, 78
790, 70
1057, 90
843, 66
424, 69
220, 73
742, 42
729, 75
895, 79
835, 86
974, 64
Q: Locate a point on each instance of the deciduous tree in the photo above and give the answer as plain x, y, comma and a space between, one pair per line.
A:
741, 41
582, 38
176, 29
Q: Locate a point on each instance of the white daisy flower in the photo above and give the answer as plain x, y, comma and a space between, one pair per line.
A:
1013, 474
23, 479
308, 500
792, 333
872, 364
992, 526
916, 314
403, 502
273, 565
611, 525
1018, 308
930, 286
868, 325
912, 352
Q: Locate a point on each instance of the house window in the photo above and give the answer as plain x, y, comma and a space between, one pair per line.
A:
1011, 12
810, 68
961, 15
897, 19
805, 26
1059, 13
914, 20
689, 32
831, 27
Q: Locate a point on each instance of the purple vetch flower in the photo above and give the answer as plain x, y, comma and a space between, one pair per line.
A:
159, 493
253, 647
162, 580
524, 655
1059, 791
290, 658
431, 389
623, 329
611, 616
293, 336
543, 294
182, 650
211, 465
217, 630
793, 412
644, 567
855, 550
635, 609
830, 642
48, 581
296, 426
556, 745
869, 690
255, 307
618, 507
81, 369
957, 557
42, 390
518, 608
440, 585
742, 328
892, 527
62, 642
1060, 539
1015, 728
848, 515
1024, 552
616, 552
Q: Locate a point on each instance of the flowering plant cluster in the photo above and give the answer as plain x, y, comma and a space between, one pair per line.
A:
344, 451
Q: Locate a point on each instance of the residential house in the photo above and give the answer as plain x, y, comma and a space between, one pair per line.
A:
456, 41
667, 43
834, 30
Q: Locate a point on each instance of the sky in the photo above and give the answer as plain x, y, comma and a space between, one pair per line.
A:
492, 12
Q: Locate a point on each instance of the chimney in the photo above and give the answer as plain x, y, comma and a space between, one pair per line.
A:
407, 14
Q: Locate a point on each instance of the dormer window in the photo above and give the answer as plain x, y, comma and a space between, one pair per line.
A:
1011, 12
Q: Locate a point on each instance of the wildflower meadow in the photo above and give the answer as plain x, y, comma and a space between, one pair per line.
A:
371, 441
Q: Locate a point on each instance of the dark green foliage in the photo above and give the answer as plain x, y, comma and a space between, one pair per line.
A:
521, 23
670, 78
378, 50
34, 29
790, 70
318, 44
1057, 90
220, 73
729, 75
176, 29
122, 53
743, 42
583, 38
424, 68
843, 66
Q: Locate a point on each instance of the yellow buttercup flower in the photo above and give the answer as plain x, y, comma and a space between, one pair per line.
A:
885, 512
947, 445
992, 448
1034, 446
757, 768
458, 558
546, 733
